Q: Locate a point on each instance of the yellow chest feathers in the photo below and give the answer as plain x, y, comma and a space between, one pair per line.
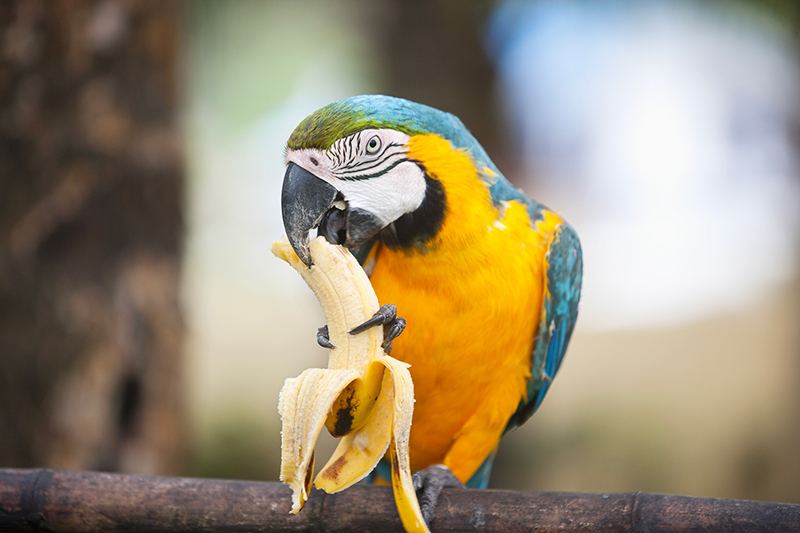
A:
471, 301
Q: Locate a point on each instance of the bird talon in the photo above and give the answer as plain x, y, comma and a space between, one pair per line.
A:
323, 337
428, 484
391, 331
393, 325
385, 314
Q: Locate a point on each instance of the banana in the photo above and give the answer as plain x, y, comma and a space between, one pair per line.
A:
364, 396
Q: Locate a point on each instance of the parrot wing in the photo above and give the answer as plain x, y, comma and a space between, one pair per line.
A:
562, 283
562, 279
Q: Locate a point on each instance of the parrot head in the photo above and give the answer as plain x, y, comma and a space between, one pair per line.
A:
349, 174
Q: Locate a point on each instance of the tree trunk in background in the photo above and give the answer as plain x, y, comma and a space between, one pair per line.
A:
90, 236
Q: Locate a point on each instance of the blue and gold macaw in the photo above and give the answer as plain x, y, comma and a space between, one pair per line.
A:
487, 279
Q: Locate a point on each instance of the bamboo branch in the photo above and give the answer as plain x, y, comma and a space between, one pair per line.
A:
62, 501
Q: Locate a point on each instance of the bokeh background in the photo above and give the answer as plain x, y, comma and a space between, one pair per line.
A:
145, 327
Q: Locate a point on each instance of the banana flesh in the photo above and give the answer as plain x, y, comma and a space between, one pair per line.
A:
364, 396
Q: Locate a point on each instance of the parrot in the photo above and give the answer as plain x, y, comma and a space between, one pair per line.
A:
487, 280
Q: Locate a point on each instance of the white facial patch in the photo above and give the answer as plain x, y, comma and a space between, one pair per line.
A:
371, 170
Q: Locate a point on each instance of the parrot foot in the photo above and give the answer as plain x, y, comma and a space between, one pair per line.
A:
386, 316
429, 484
323, 337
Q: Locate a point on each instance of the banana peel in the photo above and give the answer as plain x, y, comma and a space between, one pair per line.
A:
364, 396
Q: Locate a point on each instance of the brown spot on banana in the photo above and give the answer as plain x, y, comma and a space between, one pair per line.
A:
356, 402
309, 473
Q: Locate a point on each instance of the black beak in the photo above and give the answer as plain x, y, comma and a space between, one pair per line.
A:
304, 201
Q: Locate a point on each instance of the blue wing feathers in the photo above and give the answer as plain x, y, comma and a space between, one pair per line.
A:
559, 313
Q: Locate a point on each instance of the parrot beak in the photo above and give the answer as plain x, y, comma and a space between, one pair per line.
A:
309, 202
305, 200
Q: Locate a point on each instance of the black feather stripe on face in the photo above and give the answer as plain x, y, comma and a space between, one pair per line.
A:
380, 159
415, 229
352, 162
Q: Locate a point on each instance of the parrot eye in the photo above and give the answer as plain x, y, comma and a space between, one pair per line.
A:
373, 145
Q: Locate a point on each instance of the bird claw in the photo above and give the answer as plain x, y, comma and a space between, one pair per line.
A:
393, 325
323, 337
391, 331
429, 484
384, 315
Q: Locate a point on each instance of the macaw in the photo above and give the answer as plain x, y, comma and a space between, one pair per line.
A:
487, 280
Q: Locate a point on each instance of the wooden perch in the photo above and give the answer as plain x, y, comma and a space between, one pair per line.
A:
61, 501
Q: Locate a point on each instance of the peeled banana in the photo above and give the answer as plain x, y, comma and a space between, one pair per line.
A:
364, 396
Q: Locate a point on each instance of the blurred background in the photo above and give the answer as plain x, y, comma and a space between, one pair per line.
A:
145, 327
